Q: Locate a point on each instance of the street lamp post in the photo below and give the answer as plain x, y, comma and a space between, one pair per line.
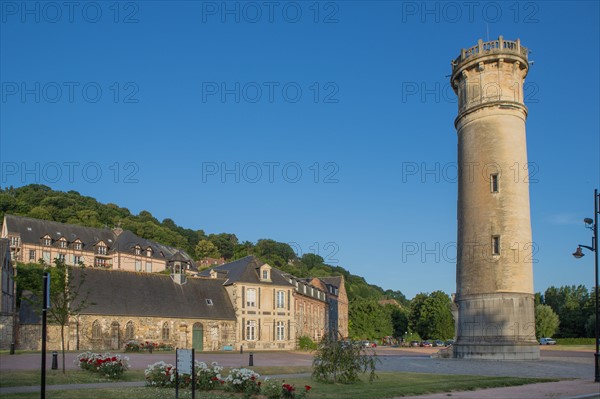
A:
593, 225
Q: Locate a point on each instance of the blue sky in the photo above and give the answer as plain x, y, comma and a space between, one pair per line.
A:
328, 125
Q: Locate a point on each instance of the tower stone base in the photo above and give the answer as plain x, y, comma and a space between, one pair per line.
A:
496, 326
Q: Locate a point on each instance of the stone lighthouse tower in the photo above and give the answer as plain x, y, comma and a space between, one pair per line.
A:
494, 273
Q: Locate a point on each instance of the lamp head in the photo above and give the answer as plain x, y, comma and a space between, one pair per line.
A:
588, 221
578, 253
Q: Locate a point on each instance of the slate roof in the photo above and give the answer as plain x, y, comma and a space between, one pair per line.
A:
120, 293
335, 282
32, 230
4, 250
245, 270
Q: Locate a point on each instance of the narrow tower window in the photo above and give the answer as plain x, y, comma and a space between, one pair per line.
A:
495, 245
494, 183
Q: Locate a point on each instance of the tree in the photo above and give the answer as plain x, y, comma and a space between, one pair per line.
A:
546, 321
206, 249
571, 304
431, 316
66, 298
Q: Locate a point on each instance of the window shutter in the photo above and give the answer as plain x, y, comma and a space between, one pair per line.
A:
243, 298
259, 297
258, 336
274, 298
289, 295
288, 330
243, 329
274, 336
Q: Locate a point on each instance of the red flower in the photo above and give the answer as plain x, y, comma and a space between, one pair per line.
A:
307, 387
259, 383
214, 378
253, 378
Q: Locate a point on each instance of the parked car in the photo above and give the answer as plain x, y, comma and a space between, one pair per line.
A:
450, 342
437, 342
547, 341
426, 344
414, 343
366, 344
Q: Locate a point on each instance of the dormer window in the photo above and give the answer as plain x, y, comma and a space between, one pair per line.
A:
101, 249
78, 246
265, 272
149, 252
46, 241
62, 243
138, 250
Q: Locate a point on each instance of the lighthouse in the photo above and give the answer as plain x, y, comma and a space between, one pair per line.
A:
494, 273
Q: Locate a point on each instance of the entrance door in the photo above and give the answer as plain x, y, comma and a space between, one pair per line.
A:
198, 336
114, 336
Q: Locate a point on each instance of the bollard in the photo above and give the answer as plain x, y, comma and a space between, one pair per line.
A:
241, 349
12, 348
150, 348
251, 359
54, 360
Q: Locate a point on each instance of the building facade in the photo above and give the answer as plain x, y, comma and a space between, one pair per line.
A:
7, 295
34, 240
244, 303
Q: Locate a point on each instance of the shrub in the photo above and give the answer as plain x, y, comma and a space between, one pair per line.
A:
305, 343
207, 378
342, 361
132, 346
243, 380
111, 366
273, 389
160, 374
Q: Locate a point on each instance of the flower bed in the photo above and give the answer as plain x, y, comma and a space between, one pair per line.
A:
243, 380
162, 374
111, 366
135, 346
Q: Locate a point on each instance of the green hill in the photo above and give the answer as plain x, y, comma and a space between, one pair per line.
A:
41, 202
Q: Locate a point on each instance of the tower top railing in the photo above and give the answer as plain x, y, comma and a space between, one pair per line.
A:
487, 48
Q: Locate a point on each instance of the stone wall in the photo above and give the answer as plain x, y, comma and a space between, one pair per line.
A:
99, 333
6, 331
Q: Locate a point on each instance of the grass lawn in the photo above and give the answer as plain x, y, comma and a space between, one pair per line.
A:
387, 386
56, 377
579, 348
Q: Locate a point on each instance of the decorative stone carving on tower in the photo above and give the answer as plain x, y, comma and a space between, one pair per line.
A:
494, 273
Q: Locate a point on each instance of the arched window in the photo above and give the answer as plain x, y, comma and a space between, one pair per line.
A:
129, 330
96, 330
165, 331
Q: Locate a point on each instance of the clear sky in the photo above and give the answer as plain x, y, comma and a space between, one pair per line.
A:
328, 125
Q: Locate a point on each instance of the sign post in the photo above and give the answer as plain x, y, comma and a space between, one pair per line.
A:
184, 364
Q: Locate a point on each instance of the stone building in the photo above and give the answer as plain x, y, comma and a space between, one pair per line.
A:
311, 309
34, 239
263, 303
337, 301
241, 303
7, 295
494, 273
125, 306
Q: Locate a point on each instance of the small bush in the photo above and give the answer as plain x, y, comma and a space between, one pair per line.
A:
243, 380
307, 344
111, 366
160, 374
274, 389
342, 361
